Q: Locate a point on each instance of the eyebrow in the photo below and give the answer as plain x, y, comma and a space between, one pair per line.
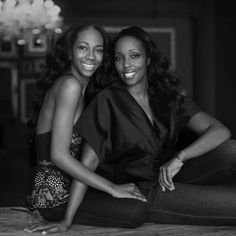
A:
134, 49
99, 45
131, 50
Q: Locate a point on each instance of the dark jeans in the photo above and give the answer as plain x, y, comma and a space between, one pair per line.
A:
101, 209
205, 191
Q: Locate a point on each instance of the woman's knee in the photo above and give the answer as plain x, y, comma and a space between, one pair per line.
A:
138, 213
224, 158
102, 209
227, 151
230, 146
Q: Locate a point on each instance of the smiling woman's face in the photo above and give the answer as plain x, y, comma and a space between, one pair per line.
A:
131, 60
87, 52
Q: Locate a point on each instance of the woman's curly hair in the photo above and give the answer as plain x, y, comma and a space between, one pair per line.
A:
58, 62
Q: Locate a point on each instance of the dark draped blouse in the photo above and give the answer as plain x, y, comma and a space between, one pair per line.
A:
123, 137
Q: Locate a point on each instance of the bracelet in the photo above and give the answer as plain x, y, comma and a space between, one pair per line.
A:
179, 158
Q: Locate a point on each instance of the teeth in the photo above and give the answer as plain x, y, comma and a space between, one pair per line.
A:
88, 67
129, 75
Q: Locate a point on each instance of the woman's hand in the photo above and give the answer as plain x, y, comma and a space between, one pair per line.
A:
128, 191
46, 227
167, 172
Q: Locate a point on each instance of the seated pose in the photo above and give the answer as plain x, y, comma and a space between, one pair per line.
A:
80, 55
132, 127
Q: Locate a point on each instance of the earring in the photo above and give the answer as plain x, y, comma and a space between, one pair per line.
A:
148, 61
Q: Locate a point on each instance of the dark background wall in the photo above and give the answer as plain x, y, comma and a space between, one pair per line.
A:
225, 50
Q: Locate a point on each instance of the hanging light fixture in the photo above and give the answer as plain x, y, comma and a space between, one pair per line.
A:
23, 18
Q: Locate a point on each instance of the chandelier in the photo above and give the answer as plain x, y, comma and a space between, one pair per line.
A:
20, 19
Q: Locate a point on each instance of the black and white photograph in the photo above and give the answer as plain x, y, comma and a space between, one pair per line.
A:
116, 118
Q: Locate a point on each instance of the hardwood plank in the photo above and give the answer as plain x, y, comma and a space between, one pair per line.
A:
13, 222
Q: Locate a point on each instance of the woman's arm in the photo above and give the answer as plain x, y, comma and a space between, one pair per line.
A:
211, 133
78, 189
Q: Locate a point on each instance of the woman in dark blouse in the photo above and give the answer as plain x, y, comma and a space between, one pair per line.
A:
132, 128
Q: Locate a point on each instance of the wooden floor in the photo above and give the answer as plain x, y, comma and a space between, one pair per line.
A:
13, 222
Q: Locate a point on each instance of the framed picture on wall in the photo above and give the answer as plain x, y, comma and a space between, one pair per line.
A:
165, 39
27, 92
8, 90
37, 45
7, 47
39, 64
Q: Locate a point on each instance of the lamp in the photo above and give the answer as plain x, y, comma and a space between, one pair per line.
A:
23, 18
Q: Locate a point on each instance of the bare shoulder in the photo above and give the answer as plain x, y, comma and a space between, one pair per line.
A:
68, 86
69, 82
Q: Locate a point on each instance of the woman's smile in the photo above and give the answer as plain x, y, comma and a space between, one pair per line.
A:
129, 75
89, 67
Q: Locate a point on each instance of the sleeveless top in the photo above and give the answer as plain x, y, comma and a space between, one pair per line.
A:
51, 184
